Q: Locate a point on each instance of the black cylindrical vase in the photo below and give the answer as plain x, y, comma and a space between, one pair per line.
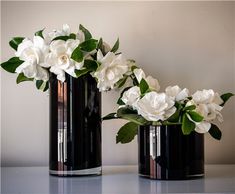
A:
166, 154
75, 126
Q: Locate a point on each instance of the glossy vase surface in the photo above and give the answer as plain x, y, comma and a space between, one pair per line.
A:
166, 154
75, 126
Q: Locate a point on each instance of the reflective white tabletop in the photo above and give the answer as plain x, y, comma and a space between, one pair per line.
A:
115, 180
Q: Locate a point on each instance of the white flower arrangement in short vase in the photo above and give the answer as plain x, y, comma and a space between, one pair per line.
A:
169, 125
62, 52
144, 104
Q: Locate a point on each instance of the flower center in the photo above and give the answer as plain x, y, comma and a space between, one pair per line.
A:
63, 58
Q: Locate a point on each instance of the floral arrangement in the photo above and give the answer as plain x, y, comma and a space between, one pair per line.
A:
143, 104
62, 52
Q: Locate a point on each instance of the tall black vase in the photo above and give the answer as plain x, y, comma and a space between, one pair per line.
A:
75, 126
166, 154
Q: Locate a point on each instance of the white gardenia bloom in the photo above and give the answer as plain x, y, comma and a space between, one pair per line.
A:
59, 59
65, 31
177, 93
156, 106
139, 74
111, 70
202, 127
208, 104
131, 96
33, 54
152, 82
204, 96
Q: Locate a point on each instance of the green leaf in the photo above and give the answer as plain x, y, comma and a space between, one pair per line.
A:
92, 65
100, 44
176, 116
133, 68
110, 116
143, 86
39, 33
191, 107
65, 38
77, 55
88, 45
195, 116
15, 42
131, 115
12, 64
127, 133
81, 72
21, 78
87, 34
226, 97
215, 132
121, 82
72, 36
115, 46
42, 85
187, 125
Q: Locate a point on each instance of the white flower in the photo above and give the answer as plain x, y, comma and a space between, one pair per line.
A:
208, 104
152, 82
33, 54
202, 127
111, 70
59, 59
177, 93
131, 96
139, 74
156, 106
65, 31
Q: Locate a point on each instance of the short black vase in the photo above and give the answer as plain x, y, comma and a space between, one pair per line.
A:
166, 154
75, 127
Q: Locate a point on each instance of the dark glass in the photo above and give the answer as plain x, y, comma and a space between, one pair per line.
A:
75, 126
166, 154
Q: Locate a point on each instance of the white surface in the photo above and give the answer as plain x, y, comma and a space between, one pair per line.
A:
115, 180
186, 43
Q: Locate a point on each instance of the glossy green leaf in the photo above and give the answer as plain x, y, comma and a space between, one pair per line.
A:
87, 34
143, 86
89, 45
39, 33
191, 107
226, 97
195, 116
92, 65
81, 72
100, 44
11, 64
187, 125
21, 78
115, 46
42, 85
215, 132
15, 42
121, 82
65, 38
176, 116
110, 116
77, 55
131, 115
127, 133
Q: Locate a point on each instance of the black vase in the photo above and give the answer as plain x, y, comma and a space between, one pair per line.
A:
166, 154
75, 126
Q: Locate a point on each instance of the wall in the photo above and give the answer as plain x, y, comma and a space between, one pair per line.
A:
191, 44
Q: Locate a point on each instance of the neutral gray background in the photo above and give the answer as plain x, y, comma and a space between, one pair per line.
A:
191, 44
